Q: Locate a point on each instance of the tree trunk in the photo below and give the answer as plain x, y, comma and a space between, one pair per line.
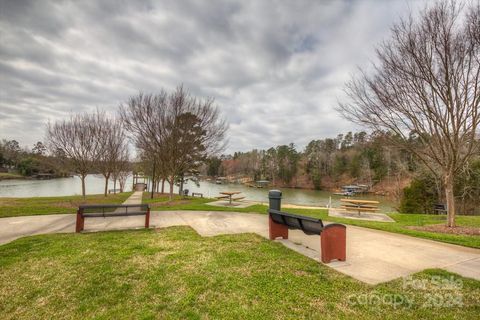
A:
82, 177
106, 184
180, 191
450, 200
153, 181
172, 179
163, 185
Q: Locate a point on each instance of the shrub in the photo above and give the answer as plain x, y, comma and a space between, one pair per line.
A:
419, 197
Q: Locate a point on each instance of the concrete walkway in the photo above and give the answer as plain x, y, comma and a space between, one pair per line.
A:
372, 256
135, 198
17, 227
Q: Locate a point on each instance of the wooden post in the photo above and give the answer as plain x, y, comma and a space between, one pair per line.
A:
333, 242
276, 230
80, 221
147, 218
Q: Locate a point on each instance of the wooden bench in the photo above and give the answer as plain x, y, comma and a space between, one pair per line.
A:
110, 210
332, 236
197, 194
440, 208
238, 198
113, 190
222, 197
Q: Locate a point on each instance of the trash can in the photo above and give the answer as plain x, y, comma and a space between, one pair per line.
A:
275, 199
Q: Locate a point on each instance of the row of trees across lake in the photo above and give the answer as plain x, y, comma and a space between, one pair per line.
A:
359, 158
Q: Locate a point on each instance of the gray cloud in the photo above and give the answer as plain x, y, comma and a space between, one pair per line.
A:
275, 68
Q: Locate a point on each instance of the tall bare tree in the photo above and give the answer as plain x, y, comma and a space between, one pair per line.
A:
121, 169
426, 82
114, 144
179, 130
77, 139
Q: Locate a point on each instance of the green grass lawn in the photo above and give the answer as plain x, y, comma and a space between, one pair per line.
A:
176, 274
402, 221
12, 207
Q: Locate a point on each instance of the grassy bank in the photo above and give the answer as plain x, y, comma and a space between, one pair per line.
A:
176, 274
401, 224
9, 176
12, 207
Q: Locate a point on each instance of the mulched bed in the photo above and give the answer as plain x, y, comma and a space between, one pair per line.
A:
441, 228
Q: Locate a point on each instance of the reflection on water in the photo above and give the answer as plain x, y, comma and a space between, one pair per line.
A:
95, 185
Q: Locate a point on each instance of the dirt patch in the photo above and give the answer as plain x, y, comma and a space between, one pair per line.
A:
69, 205
441, 228
7, 202
169, 203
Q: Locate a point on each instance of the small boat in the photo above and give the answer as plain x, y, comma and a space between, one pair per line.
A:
220, 180
345, 193
262, 183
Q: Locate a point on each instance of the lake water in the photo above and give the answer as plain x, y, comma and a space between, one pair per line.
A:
55, 187
95, 185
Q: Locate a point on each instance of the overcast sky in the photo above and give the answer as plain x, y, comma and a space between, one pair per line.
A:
275, 68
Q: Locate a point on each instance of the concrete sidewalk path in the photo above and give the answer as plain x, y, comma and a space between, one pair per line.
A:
372, 256
135, 198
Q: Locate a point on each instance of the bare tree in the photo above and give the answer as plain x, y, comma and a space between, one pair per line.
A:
77, 139
426, 82
178, 130
121, 169
114, 144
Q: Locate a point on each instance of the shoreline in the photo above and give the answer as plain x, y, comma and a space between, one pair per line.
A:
11, 176
14, 176
291, 205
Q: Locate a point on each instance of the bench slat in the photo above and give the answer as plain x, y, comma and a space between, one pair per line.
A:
113, 214
101, 206
308, 225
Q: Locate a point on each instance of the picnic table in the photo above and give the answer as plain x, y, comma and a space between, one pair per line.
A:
229, 195
359, 205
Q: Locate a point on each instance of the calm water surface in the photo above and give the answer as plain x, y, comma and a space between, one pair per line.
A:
95, 185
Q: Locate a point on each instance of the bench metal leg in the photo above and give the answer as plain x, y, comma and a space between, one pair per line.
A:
80, 221
147, 219
276, 230
333, 242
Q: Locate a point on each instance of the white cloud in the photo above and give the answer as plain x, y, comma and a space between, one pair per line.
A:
275, 68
